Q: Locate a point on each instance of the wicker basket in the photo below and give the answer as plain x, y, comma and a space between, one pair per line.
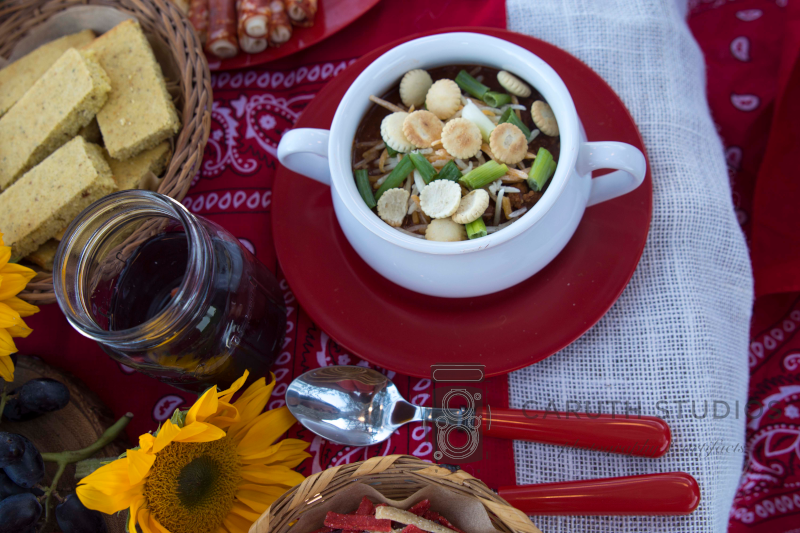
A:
163, 20
396, 477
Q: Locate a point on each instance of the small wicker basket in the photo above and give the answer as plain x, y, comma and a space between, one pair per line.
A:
164, 21
396, 477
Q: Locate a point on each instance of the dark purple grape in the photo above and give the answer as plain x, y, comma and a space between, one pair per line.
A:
19, 512
29, 470
9, 488
43, 395
11, 448
15, 412
73, 517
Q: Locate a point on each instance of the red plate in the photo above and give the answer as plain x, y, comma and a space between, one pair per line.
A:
407, 332
332, 16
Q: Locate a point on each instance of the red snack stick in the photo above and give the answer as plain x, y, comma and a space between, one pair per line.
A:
433, 516
280, 27
222, 41
357, 522
198, 16
323, 530
420, 508
302, 12
254, 18
365, 507
411, 528
251, 45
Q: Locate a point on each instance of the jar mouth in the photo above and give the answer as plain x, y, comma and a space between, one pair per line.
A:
102, 228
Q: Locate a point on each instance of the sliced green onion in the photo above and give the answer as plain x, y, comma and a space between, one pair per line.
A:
471, 85
449, 172
424, 166
540, 171
476, 228
511, 117
476, 116
365, 187
495, 99
396, 177
552, 169
484, 175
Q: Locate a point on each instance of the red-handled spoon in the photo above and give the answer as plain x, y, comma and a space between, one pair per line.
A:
359, 406
672, 493
644, 436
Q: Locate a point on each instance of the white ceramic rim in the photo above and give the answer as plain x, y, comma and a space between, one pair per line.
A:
449, 49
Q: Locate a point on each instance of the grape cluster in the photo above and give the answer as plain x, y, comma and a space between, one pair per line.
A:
22, 466
35, 398
23, 469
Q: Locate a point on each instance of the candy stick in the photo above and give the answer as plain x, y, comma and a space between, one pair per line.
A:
302, 12
198, 16
254, 18
222, 41
280, 29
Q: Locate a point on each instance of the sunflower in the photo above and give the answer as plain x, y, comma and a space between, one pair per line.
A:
212, 469
13, 279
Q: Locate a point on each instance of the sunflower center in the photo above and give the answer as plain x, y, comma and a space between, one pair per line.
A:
192, 486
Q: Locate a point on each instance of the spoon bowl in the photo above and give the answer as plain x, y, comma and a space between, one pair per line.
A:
350, 405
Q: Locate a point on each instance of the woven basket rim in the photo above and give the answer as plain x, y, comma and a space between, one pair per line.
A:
164, 20
414, 473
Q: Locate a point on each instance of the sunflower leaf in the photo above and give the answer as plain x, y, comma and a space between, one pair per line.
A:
87, 466
178, 418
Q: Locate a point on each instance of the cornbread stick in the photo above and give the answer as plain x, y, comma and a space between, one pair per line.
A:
139, 113
404, 517
20, 75
198, 16
45, 255
129, 174
49, 196
59, 104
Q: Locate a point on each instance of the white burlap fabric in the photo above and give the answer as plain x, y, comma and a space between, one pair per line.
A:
680, 330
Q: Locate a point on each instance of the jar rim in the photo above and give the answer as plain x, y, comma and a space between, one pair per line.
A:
88, 231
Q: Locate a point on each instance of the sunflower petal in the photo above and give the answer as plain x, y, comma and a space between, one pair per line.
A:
226, 395
236, 524
136, 504
166, 435
7, 346
288, 452
14, 279
249, 410
272, 475
245, 512
110, 479
226, 415
5, 253
146, 441
156, 526
139, 463
6, 367
204, 407
256, 500
8, 317
21, 306
107, 503
199, 432
267, 429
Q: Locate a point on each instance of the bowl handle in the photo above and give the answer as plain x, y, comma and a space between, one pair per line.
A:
628, 160
305, 151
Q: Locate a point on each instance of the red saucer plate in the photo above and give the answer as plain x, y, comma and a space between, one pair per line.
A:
332, 16
408, 332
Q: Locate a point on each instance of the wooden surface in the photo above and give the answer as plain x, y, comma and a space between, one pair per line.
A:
76, 426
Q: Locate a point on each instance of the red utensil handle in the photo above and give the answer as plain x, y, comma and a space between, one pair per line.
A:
645, 436
673, 493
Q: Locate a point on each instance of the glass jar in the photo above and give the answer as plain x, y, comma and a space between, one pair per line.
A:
169, 294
